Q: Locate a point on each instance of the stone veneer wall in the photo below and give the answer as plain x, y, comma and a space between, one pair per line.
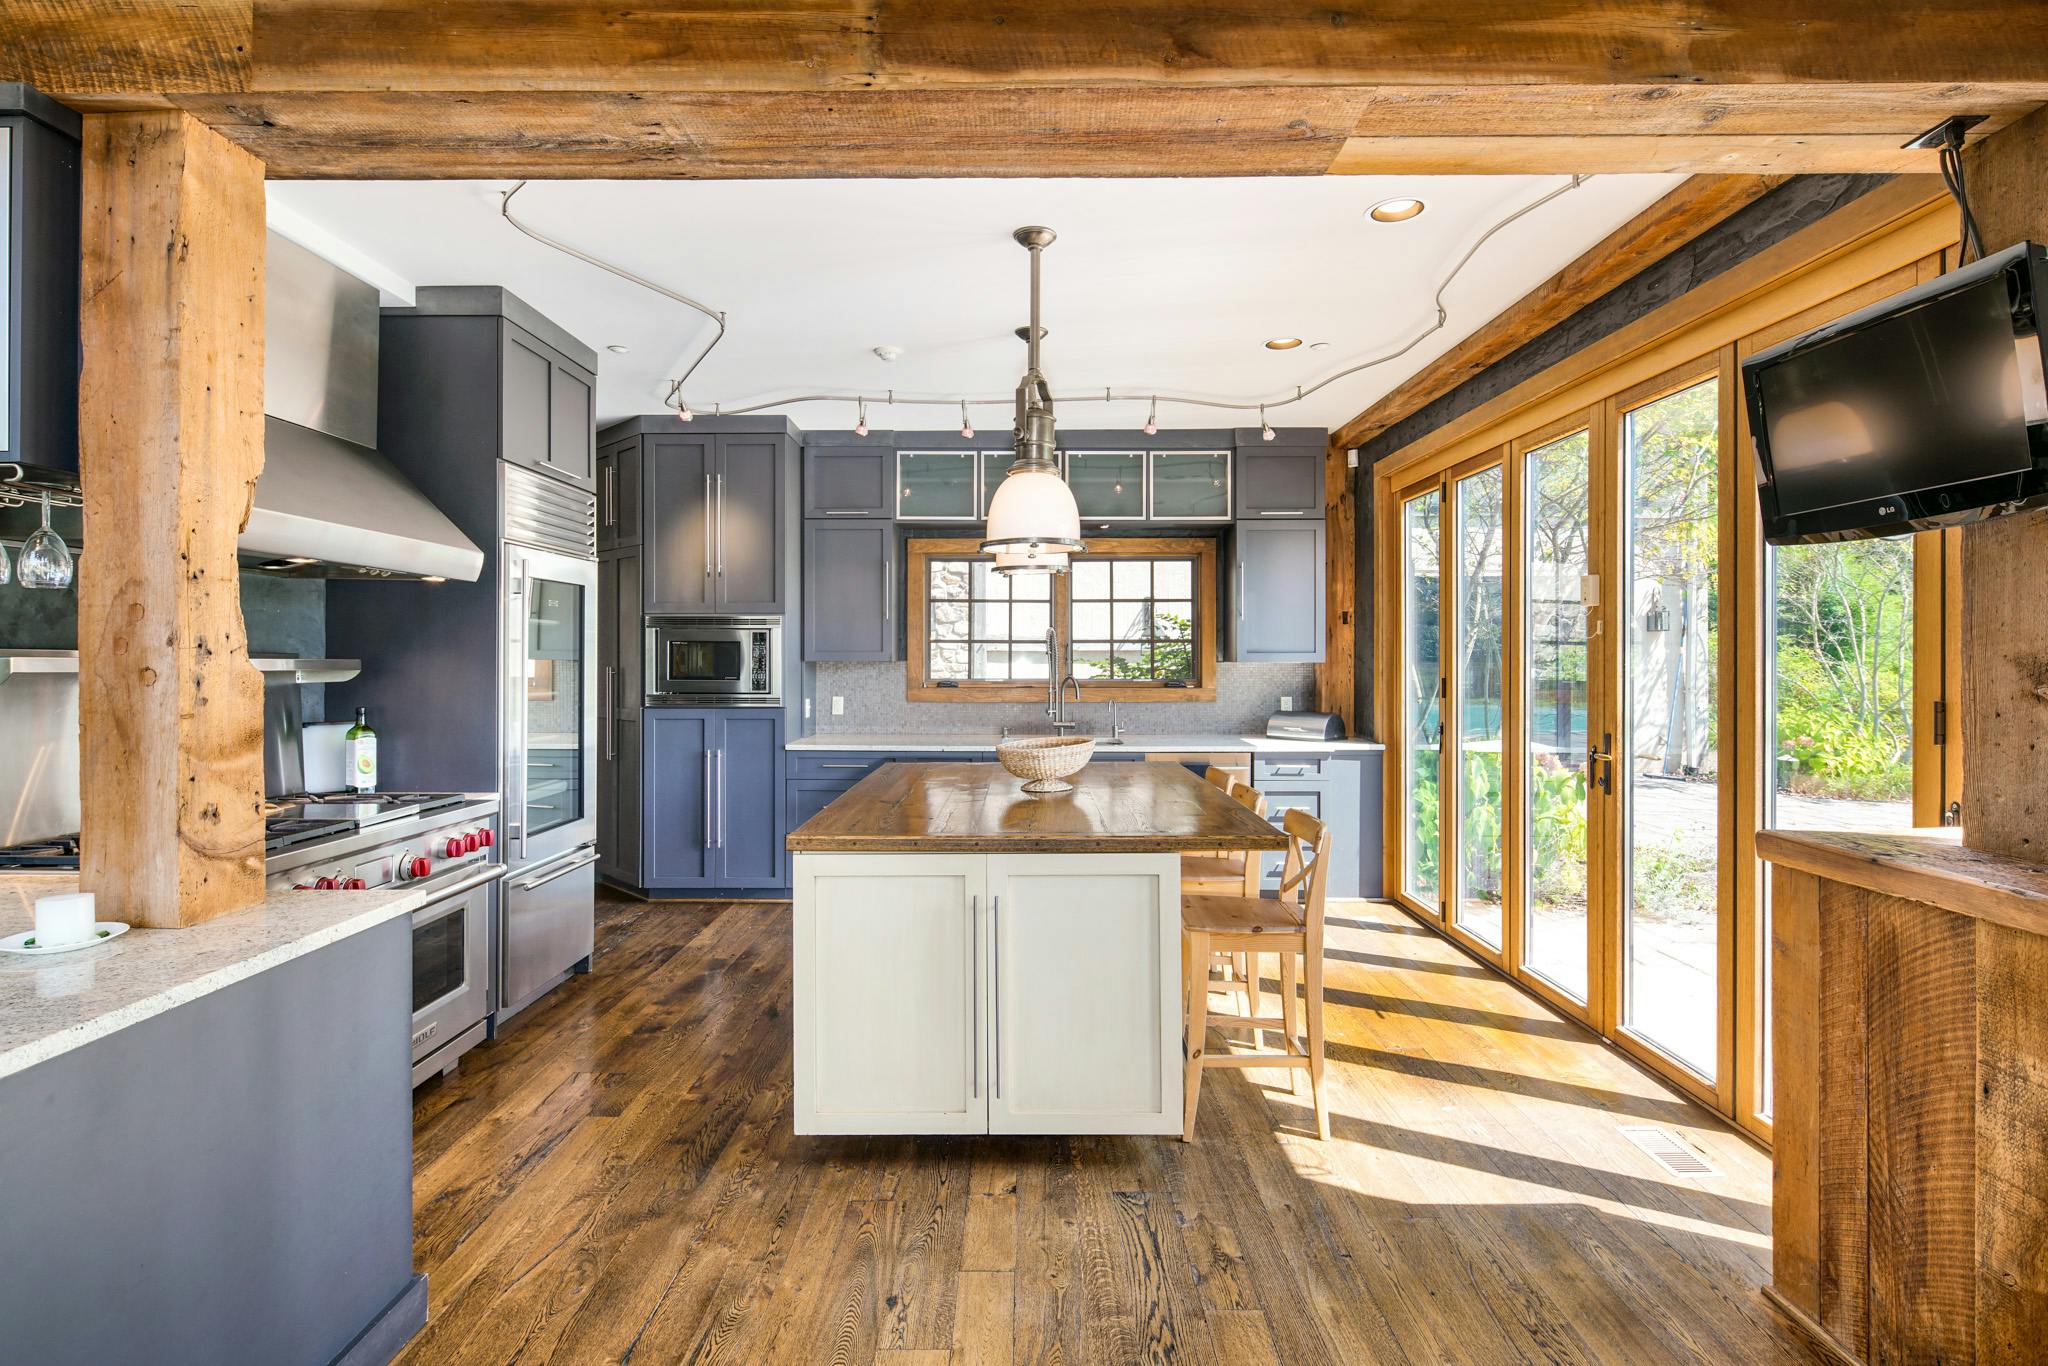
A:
1246, 694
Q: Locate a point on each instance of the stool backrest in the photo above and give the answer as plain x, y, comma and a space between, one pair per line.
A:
1304, 876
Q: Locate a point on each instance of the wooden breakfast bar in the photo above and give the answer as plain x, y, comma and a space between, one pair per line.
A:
974, 959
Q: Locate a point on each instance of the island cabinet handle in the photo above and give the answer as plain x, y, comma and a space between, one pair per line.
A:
974, 994
995, 989
707, 797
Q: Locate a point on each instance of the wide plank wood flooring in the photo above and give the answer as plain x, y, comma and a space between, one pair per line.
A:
615, 1180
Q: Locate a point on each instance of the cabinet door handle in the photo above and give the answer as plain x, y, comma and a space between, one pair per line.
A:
707, 797
885, 588
859, 766
974, 989
721, 526
995, 989
707, 531
848, 512
1277, 512
611, 708
611, 495
721, 798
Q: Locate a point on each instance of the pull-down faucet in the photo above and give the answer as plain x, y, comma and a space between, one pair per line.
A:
1056, 686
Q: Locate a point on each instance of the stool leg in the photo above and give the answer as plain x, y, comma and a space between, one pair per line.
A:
1287, 1019
1195, 949
1312, 972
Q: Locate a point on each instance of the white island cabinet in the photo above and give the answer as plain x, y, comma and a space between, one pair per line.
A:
970, 959
988, 993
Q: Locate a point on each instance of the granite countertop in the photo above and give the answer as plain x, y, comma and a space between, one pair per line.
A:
915, 808
954, 742
51, 1005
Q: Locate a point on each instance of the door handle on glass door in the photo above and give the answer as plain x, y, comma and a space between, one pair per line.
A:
1604, 757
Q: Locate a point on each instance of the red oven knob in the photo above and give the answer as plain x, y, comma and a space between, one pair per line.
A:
486, 838
472, 842
325, 884
355, 884
455, 849
302, 886
420, 866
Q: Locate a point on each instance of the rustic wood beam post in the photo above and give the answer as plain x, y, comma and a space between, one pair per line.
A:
2005, 624
170, 438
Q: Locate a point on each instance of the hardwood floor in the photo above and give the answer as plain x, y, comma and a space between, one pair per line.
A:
615, 1180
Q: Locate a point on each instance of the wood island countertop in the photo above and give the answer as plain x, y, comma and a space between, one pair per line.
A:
1115, 808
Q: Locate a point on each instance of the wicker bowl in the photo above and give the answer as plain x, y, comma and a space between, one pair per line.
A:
1045, 761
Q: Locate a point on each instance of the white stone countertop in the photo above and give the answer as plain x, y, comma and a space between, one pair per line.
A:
52, 1004
944, 742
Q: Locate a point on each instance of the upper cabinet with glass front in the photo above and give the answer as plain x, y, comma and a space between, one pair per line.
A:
1190, 486
1109, 486
935, 486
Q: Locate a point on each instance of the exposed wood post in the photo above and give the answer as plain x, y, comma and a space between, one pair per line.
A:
170, 438
1337, 675
2005, 626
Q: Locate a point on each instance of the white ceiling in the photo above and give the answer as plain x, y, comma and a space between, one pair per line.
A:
1167, 286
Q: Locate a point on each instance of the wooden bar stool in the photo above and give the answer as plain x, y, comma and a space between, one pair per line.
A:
1292, 927
1229, 873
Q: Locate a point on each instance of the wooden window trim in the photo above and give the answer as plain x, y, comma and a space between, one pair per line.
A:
921, 550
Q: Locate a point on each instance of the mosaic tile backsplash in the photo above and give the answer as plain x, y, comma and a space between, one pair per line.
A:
1246, 694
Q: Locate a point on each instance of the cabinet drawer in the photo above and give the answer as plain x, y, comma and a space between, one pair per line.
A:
851, 766
1292, 769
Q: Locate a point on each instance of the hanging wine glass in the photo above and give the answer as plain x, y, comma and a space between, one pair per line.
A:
45, 559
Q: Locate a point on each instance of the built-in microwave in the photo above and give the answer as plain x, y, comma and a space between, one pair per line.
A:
718, 661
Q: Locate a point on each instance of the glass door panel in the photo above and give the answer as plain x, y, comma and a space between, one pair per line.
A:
1555, 785
1838, 712
1108, 485
1480, 502
1421, 681
1190, 486
935, 486
1667, 753
554, 705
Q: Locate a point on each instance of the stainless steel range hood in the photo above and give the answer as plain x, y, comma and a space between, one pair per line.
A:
327, 504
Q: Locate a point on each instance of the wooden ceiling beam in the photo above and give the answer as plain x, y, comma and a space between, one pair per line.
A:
1651, 235
992, 87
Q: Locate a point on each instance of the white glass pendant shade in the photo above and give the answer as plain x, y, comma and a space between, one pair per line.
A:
1033, 509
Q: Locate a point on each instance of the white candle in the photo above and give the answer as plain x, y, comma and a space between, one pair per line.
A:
65, 918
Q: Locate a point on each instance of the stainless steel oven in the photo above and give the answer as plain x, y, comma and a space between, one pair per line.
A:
451, 969
715, 661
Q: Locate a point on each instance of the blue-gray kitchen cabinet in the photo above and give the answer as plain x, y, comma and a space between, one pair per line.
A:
1333, 788
1279, 480
713, 813
849, 481
1278, 583
849, 591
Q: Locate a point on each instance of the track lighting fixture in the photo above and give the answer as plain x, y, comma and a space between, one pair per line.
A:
1152, 420
860, 427
683, 413
1265, 427
966, 424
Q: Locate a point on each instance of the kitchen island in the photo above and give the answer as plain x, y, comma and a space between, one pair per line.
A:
973, 959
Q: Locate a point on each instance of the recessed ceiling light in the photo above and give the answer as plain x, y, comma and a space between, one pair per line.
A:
1396, 210
1283, 343
1318, 346
618, 350
888, 353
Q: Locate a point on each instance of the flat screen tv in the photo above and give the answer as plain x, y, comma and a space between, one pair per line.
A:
1929, 409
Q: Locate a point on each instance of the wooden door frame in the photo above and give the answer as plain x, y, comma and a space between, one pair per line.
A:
1449, 831
1515, 824
1717, 1092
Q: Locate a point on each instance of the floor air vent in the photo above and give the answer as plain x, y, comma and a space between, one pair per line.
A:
1672, 1153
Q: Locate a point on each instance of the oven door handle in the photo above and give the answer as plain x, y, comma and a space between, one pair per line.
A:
443, 897
533, 882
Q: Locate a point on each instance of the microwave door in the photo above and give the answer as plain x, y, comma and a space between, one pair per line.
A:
550, 777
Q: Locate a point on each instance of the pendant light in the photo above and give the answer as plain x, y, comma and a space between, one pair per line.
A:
1033, 523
